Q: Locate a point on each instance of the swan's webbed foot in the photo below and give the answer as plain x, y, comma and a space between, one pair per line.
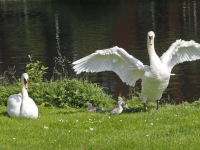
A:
145, 107
158, 101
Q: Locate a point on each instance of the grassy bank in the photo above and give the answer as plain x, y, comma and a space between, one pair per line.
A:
173, 127
64, 123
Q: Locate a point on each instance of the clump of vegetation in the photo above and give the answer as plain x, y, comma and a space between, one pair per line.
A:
69, 93
35, 70
63, 92
60, 70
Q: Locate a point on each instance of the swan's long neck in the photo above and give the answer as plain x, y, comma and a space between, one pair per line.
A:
153, 57
24, 93
24, 97
151, 49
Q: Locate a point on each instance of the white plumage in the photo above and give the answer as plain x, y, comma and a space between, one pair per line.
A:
21, 105
155, 78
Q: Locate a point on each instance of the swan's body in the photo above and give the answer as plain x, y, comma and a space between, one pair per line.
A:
117, 110
14, 104
155, 78
93, 109
21, 105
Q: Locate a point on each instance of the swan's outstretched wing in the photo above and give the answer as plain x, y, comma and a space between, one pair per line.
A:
179, 52
116, 59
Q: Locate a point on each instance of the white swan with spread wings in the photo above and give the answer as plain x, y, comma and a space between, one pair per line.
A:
155, 78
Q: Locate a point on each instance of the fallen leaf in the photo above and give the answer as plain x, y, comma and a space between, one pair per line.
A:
43, 104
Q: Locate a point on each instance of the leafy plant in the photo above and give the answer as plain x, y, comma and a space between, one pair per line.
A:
35, 70
6, 91
69, 93
61, 68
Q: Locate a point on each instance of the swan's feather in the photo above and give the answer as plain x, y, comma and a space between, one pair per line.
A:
116, 59
179, 52
29, 109
14, 104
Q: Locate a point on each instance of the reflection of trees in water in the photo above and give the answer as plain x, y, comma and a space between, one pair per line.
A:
189, 12
57, 33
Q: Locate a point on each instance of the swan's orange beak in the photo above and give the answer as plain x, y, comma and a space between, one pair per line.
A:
26, 84
151, 41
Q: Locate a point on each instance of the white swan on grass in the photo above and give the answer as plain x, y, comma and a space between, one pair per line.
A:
155, 78
21, 105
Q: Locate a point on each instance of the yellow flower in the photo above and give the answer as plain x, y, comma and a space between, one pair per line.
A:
45, 127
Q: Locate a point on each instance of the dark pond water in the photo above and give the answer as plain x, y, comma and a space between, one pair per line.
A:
77, 28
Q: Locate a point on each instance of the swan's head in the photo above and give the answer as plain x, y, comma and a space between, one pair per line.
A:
24, 80
150, 38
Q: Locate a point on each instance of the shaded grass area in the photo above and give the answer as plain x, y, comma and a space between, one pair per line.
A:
173, 127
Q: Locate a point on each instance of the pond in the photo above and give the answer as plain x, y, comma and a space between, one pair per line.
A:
77, 28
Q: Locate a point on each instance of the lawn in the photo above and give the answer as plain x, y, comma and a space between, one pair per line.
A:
173, 127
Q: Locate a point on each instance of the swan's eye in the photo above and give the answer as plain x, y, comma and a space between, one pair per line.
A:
25, 80
150, 37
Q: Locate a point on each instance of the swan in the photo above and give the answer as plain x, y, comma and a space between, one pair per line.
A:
93, 109
155, 77
21, 105
117, 110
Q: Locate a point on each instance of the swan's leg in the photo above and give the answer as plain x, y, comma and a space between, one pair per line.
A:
145, 107
158, 104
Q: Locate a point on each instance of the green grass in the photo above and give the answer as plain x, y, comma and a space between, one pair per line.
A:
173, 127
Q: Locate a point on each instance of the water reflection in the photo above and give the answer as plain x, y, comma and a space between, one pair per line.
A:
77, 28
57, 33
